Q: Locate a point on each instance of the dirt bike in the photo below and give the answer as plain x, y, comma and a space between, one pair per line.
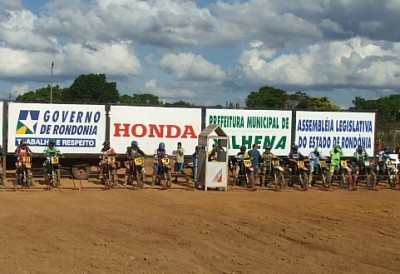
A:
387, 169
52, 171
343, 173
135, 167
23, 174
272, 168
109, 173
243, 172
320, 172
162, 171
363, 168
299, 171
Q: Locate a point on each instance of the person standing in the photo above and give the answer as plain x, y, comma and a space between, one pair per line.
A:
255, 155
179, 154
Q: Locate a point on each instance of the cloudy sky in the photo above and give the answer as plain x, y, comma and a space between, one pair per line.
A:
204, 52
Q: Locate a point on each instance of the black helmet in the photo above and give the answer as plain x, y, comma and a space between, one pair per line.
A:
134, 143
23, 142
243, 148
359, 148
106, 143
295, 147
52, 143
267, 147
388, 149
161, 146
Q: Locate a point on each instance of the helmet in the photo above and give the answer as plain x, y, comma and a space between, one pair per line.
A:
388, 149
267, 147
52, 143
22, 142
161, 146
359, 148
106, 143
243, 148
295, 147
337, 147
214, 145
134, 143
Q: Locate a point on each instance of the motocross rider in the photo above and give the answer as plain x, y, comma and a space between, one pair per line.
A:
336, 153
133, 151
51, 151
382, 157
266, 159
359, 158
158, 155
105, 152
296, 155
315, 156
22, 151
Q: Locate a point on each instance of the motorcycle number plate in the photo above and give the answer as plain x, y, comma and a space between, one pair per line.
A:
139, 161
54, 160
343, 163
322, 163
247, 163
300, 163
26, 159
165, 161
389, 163
111, 159
366, 163
275, 162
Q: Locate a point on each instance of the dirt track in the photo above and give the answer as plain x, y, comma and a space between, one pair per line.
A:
182, 231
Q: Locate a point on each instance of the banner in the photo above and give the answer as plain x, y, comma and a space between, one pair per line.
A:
326, 129
248, 127
151, 125
74, 128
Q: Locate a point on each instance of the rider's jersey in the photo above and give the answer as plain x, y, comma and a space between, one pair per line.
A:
335, 156
360, 156
52, 151
22, 151
108, 152
315, 159
133, 153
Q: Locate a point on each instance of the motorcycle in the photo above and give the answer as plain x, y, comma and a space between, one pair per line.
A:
52, 171
135, 170
299, 170
162, 171
1, 172
364, 168
273, 168
320, 172
23, 174
387, 169
243, 172
343, 173
109, 173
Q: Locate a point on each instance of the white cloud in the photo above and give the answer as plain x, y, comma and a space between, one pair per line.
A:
355, 62
187, 66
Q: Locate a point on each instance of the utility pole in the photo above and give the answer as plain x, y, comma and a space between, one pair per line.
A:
51, 84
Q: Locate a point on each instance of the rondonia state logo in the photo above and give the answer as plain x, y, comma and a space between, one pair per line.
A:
27, 121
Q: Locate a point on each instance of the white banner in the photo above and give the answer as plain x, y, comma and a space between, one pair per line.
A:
75, 128
326, 129
151, 125
248, 127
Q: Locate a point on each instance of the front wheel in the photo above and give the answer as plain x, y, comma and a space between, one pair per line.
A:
393, 179
250, 180
303, 177
169, 178
280, 180
370, 180
326, 180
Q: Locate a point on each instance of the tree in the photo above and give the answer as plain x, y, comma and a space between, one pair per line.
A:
91, 88
41, 95
145, 99
266, 98
180, 103
125, 99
